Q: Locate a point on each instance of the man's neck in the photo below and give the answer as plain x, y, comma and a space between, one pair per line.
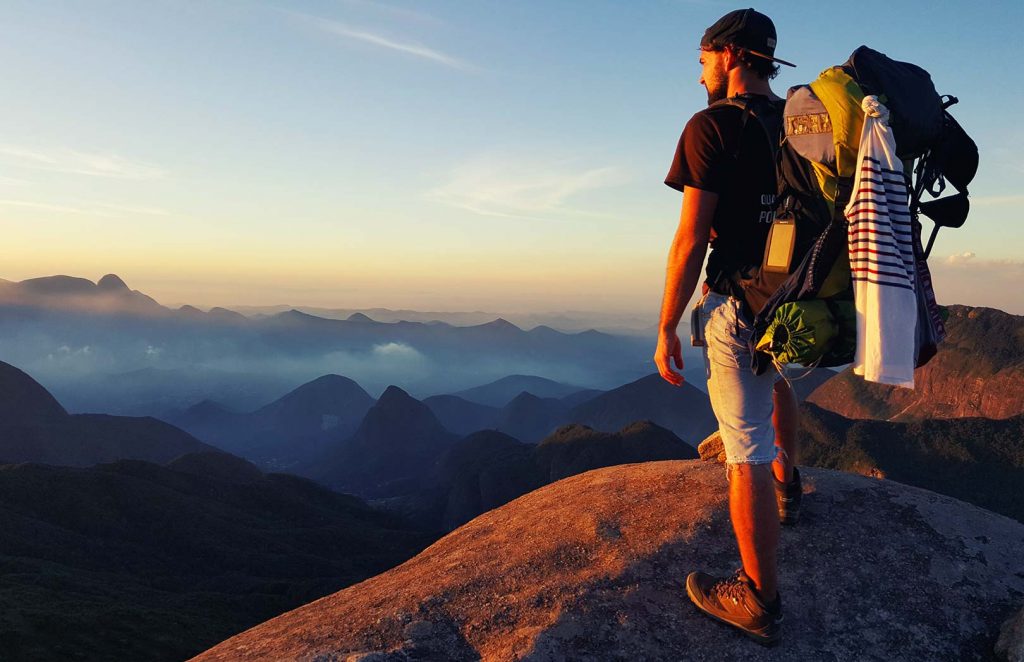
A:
747, 83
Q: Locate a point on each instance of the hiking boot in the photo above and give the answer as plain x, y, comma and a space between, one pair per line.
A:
734, 601
787, 498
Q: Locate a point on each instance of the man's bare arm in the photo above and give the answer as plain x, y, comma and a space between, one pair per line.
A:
684, 262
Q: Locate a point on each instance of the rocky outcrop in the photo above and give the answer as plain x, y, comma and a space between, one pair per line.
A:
1010, 645
712, 449
593, 567
977, 372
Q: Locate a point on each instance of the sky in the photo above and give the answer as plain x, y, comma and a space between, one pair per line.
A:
449, 155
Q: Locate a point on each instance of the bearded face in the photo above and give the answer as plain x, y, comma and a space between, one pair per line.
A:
714, 76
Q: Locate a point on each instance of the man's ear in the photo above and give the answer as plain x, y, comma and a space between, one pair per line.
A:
731, 57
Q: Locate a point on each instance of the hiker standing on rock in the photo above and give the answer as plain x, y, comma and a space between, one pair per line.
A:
725, 167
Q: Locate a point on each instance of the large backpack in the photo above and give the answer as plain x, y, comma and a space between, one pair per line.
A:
809, 319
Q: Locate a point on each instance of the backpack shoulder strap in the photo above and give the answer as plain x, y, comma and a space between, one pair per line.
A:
749, 109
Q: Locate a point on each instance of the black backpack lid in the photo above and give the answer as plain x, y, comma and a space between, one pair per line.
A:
907, 91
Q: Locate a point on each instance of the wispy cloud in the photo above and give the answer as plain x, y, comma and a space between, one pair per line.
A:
92, 209
376, 39
131, 210
522, 188
969, 259
80, 163
960, 258
399, 12
43, 206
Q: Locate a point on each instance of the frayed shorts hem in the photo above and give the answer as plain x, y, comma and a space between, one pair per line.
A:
750, 460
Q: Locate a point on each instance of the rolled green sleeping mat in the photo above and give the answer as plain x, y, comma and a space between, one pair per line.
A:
812, 332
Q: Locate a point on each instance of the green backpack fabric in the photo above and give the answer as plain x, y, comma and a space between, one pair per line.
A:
816, 332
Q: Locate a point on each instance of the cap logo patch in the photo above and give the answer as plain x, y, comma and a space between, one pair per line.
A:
771, 43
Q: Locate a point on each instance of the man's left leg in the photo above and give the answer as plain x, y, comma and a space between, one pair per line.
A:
786, 421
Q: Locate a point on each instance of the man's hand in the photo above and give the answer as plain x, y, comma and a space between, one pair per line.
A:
681, 276
669, 348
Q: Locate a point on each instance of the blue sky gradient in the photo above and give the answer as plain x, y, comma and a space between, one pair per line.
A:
443, 155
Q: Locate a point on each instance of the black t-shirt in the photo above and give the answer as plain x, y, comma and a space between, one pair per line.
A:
722, 152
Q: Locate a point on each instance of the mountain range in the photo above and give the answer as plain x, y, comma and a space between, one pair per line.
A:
286, 432
133, 560
978, 460
489, 468
684, 410
978, 371
500, 392
34, 427
66, 331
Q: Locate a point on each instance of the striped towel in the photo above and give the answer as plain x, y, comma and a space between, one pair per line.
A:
882, 256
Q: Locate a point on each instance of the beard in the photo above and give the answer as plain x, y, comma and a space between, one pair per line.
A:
716, 94
717, 86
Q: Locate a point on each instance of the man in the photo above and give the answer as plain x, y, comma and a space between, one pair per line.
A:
725, 167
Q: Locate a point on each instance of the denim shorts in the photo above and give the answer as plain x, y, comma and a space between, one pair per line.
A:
742, 401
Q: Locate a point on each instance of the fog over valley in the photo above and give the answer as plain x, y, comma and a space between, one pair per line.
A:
102, 347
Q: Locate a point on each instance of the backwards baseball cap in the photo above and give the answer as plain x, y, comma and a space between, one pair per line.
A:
746, 29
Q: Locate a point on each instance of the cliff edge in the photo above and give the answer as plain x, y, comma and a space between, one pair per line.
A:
592, 567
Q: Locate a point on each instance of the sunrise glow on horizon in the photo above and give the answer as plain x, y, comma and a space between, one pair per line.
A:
442, 155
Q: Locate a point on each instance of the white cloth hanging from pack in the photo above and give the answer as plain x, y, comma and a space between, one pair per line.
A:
882, 256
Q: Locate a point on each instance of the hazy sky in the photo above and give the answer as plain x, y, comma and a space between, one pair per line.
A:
443, 155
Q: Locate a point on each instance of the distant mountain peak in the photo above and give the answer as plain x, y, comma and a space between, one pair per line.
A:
207, 407
501, 323
359, 317
331, 379
327, 394
394, 394
545, 330
329, 385
295, 315
112, 283
24, 401
217, 312
59, 285
523, 398
397, 410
